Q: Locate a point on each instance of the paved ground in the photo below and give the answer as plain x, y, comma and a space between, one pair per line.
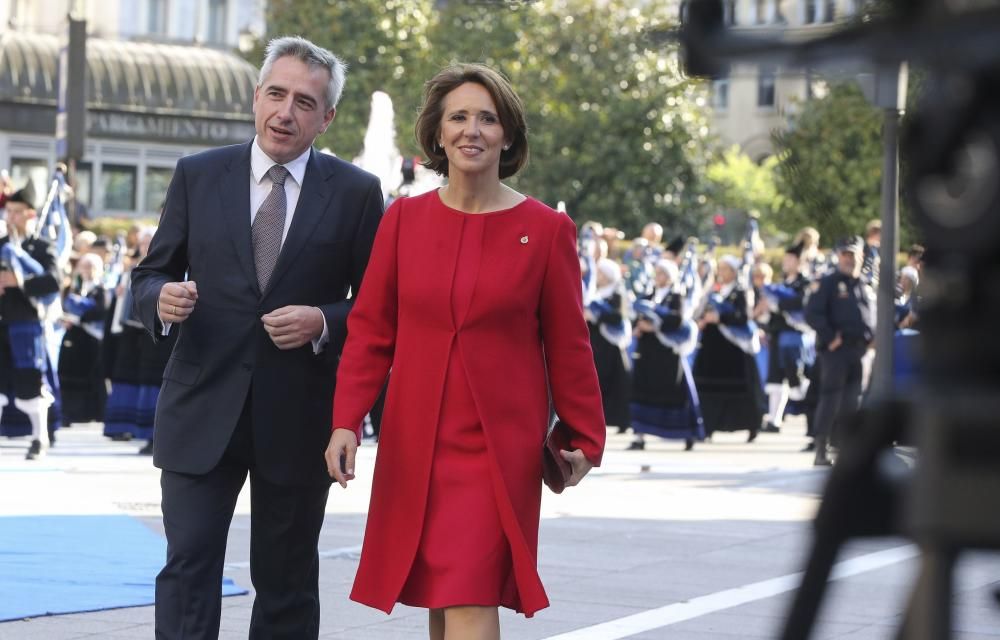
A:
659, 544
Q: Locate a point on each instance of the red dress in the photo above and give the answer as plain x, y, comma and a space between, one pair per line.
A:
477, 315
463, 557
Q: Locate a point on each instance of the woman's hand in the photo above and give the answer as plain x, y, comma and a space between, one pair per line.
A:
581, 466
343, 446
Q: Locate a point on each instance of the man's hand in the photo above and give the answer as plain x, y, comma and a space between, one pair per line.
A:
343, 446
176, 301
581, 466
8, 279
293, 326
835, 343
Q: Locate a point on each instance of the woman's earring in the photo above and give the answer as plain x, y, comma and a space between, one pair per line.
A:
506, 147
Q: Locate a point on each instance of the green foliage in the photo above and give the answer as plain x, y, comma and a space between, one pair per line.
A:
383, 43
738, 183
830, 164
615, 130
110, 227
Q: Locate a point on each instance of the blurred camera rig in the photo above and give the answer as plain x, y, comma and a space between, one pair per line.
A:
945, 495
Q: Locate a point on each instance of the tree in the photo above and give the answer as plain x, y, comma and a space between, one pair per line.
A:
830, 164
737, 183
616, 131
384, 44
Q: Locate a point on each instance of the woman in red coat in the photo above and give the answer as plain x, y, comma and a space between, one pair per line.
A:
472, 297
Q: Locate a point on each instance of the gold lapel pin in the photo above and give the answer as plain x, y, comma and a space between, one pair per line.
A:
524, 239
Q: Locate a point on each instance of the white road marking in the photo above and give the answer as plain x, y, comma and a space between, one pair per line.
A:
713, 602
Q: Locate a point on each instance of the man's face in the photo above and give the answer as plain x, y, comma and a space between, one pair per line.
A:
17, 214
290, 108
849, 263
789, 264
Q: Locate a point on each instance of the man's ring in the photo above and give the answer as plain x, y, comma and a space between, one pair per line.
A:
175, 309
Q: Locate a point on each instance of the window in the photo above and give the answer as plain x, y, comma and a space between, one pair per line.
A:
156, 17
761, 17
216, 21
720, 93
23, 170
811, 11
84, 180
765, 87
157, 181
118, 185
729, 13
829, 11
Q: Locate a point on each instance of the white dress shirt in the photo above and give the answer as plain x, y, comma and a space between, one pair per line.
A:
260, 187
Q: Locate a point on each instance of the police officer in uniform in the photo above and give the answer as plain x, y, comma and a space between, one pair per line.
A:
28, 275
842, 312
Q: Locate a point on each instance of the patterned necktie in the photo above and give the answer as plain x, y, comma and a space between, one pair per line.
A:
269, 225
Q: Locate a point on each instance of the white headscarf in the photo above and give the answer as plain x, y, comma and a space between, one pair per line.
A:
612, 272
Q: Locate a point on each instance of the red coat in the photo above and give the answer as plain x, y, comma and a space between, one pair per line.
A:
525, 324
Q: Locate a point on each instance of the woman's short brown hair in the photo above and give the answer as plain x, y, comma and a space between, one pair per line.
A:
510, 110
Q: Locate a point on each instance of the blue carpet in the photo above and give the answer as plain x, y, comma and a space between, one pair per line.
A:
70, 564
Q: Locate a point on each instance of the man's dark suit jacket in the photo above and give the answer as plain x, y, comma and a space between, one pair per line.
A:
222, 352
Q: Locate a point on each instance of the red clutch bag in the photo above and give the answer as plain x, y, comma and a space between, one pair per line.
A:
555, 470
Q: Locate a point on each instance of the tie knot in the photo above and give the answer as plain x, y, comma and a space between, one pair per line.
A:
277, 174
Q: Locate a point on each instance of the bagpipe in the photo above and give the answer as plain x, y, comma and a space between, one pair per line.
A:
585, 249
617, 333
53, 224
775, 294
116, 266
15, 259
75, 306
681, 341
744, 335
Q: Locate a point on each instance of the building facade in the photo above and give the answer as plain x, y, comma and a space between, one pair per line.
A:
754, 100
163, 80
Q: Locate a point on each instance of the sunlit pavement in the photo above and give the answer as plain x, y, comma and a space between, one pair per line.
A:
656, 544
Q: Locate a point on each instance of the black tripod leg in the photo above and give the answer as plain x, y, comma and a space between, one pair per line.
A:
805, 607
928, 615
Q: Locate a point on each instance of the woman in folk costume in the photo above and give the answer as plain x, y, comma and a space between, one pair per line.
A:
610, 337
123, 340
472, 296
725, 370
81, 370
664, 400
792, 341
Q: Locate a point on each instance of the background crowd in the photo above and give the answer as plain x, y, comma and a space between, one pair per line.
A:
72, 352
691, 338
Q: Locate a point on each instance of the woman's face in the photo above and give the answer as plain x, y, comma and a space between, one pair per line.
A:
602, 280
726, 273
662, 279
471, 134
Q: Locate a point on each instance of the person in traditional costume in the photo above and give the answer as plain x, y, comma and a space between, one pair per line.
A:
664, 399
81, 370
791, 340
125, 341
29, 281
472, 297
725, 369
610, 337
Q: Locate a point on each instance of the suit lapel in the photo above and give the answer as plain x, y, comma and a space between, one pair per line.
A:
235, 194
309, 210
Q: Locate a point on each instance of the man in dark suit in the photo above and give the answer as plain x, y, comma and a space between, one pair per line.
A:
257, 248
